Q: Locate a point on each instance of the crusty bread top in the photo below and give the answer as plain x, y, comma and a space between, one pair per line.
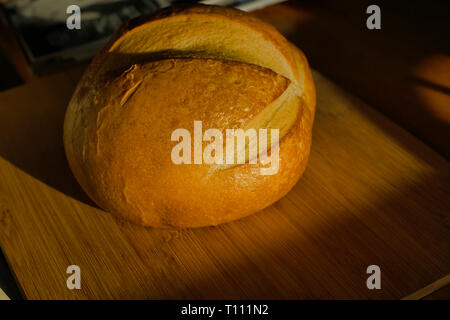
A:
158, 97
207, 32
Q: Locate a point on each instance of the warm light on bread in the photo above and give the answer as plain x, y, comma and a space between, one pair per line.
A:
216, 65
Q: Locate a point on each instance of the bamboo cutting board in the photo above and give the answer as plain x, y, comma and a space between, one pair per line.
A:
371, 194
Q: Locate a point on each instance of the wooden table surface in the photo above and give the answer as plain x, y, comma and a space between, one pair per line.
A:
372, 194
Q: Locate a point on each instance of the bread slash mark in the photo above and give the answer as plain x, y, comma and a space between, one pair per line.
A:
129, 93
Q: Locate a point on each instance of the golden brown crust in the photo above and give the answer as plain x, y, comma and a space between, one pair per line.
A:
118, 123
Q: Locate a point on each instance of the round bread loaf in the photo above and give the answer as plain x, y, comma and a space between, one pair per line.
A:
164, 72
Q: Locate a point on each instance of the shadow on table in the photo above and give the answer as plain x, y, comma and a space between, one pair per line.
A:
31, 127
7, 281
401, 70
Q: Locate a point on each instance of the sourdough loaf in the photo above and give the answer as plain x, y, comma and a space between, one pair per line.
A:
158, 73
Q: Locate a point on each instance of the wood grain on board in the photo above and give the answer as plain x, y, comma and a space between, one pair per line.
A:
372, 194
